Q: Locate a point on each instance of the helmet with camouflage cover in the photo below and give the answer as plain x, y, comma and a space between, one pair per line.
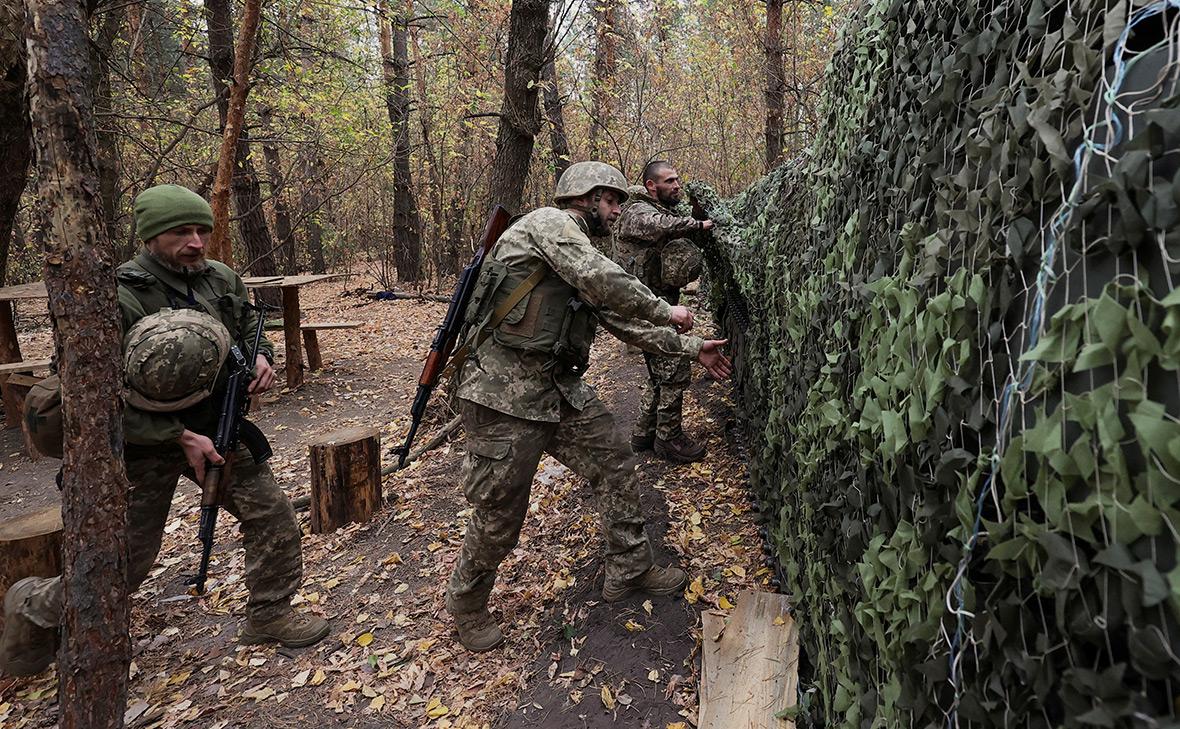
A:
680, 263
172, 359
583, 177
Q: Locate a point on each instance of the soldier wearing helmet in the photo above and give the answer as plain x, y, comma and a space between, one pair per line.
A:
653, 243
541, 294
180, 314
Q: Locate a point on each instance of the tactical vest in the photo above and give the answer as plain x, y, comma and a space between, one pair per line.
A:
551, 319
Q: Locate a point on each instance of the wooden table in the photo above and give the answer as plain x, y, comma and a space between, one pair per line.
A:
9, 347
289, 285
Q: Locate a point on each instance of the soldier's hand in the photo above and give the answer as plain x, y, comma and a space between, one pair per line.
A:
681, 319
707, 225
714, 360
197, 450
264, 376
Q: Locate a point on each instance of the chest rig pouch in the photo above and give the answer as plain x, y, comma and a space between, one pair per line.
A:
550, 319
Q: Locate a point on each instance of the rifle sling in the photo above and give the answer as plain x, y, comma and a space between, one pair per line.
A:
498, 315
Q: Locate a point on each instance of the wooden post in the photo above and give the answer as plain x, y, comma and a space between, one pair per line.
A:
30, 546
311, 343
291, 335
9, 352
345, 478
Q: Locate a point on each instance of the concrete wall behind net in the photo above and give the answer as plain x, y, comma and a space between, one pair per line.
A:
958, 337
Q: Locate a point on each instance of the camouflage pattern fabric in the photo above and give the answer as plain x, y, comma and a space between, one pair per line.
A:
581, 178
641, 232
526, 384
171, 359
680, 263
502, 455
270, 534
661, 408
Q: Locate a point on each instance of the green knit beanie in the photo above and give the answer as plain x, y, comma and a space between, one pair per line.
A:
165, 207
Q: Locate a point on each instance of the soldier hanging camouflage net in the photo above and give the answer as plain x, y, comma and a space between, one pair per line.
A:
650, 243
181, 312
540, 296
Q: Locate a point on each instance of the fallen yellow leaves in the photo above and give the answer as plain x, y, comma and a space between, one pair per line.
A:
633, 626
724, 603
696, 590
608, 699
364, 639
436, 709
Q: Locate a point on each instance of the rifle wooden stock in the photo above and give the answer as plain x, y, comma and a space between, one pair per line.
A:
447, 333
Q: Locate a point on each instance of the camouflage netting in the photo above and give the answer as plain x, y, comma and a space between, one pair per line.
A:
961, 366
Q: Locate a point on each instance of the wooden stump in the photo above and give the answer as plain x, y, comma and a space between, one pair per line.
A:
30, 546
345, 478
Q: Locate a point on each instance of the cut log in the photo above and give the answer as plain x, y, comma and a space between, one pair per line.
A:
345, 478
749, 665
30, 546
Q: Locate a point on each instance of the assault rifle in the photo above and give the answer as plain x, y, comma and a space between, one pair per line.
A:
232, 428
448, 332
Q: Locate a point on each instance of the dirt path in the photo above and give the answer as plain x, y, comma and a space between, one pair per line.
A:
392, 660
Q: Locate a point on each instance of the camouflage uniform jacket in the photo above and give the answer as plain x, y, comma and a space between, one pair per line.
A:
641, 231
525, 384
145, 287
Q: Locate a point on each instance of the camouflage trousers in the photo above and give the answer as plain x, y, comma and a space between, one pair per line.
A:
660, 410
270, 534
502, 456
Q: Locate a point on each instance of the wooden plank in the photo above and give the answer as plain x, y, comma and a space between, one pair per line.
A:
316, 325
261, 282
31, 365
749, 665
35, 290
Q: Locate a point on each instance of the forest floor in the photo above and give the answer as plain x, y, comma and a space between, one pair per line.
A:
392, 658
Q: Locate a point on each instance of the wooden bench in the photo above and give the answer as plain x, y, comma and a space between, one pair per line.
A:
311, 341
15, 380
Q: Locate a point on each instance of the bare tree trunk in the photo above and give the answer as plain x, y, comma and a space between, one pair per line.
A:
110, 22
407, 235
311, 205
558, 141
439, 252
217, 13
520, 119
80, 277
602, 94
14, 122
775, 86
278, 195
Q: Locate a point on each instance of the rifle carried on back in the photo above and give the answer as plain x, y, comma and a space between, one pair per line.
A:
448, 332
232, 428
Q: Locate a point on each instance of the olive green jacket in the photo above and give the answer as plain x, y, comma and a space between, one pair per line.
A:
144, 288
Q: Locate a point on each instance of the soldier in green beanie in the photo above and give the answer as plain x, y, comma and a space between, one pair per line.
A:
169, 438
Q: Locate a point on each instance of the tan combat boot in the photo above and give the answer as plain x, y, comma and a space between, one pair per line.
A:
680, 449
478, 632
26, 648
656, 581
292, 629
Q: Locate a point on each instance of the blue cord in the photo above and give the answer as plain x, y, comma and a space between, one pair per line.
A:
1033, 325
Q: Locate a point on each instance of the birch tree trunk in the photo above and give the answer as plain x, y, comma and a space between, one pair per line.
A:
520, 119
79, 275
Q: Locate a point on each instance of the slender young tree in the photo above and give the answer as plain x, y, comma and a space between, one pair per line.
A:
520, 118
14, 122
79, 274
775, 83
554, 114
606, 61
407, 225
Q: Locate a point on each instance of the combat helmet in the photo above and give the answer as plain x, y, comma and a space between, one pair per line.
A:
172, 358
582, 177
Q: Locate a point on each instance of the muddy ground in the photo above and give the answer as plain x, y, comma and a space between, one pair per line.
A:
392, 659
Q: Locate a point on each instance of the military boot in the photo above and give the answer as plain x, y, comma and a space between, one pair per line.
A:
656, 581
26, 648
291, 629
680, 449
478, 632
642, 443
